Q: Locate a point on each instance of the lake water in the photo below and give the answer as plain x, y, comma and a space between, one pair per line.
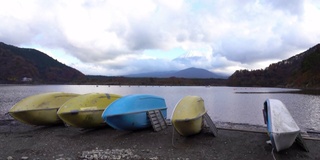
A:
241, 105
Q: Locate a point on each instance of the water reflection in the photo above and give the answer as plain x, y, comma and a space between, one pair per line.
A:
224, 104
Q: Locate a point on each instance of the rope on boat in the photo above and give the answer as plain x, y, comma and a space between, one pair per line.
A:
173, 137
273, 154
172, 140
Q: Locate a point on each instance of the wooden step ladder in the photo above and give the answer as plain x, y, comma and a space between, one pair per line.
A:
211, 125
157, 120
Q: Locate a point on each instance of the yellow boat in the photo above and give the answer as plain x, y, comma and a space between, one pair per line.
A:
85, 111
187, 116
40, 109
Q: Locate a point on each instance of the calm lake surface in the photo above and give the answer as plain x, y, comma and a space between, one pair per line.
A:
241, 105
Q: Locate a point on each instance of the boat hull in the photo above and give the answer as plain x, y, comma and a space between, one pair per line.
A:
85, 111
37, 117
187, 117
40, 109
132, 121
130, 112
282, 128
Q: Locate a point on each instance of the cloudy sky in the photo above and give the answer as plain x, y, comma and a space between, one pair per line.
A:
105, 37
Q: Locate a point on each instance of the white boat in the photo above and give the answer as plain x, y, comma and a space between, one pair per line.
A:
282, 128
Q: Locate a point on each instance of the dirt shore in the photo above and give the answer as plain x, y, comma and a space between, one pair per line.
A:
20, 141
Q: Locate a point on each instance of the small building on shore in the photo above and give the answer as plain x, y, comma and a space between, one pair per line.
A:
26, 79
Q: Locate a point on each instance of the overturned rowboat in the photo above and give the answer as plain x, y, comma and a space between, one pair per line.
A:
131, 112
40, 109
282, 128
85, 111
187, 117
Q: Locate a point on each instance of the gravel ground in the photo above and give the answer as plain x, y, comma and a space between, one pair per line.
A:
20, 141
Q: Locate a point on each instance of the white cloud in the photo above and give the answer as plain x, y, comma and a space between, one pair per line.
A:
112, 37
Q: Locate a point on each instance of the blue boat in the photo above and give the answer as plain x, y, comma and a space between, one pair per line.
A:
130, 112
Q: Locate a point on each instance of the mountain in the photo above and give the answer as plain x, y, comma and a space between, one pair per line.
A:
301, 71
195, 73
186, 73
23, 64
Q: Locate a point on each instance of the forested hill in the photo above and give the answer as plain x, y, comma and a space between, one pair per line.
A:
300, 71
30, 65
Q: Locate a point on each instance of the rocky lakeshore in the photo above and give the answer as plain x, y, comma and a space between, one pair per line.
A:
20, 141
